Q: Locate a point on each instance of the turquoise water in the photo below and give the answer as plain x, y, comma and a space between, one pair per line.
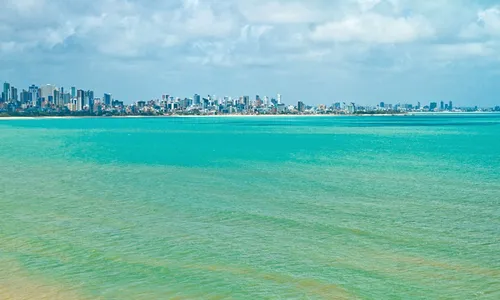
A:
251, 208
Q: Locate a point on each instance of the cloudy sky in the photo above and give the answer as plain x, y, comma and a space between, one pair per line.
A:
317, 51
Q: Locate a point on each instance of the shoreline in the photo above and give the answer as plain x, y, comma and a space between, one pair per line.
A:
249, 116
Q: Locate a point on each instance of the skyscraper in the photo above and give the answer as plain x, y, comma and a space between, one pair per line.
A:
90, 96
107, 99
13, 94
57, 98
246, 101
34, 95
450, 106
441, 107
80, 98
279, 98
6, 92
197, 99
47, 91
73, 92
25, 97
300, 106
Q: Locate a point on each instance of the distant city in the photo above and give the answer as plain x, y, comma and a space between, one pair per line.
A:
50, 100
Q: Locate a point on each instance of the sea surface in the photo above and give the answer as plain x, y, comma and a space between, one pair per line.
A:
251, 208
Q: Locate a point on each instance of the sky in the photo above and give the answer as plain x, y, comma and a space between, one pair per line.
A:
316, 51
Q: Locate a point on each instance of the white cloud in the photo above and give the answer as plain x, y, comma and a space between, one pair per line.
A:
374, 28
276, 12
487, 24
464, 50
366, 5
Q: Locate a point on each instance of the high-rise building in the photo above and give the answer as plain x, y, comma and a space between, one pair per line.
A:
197, 99
441, 107
34, 95
107, 99
90, 96
246, 101
73, 92
351, 108
65, 99
382, 105
13, 94
300, 106
6, 92
80, 98
25, 97
433, 106
57, 98
279, 98
450, 105
47, 91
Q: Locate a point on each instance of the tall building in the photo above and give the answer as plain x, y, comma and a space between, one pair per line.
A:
73, 92
351, 108
450, 105
90, 96
107, 99
246, 101
279, 98
300, 106
197, 99
34, 95
382, 105
25, 97
441, 107
57, 98
6, 92
47, 91
80, 98
13, 94
433, 106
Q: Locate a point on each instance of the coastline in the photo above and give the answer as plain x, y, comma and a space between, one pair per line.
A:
252, 116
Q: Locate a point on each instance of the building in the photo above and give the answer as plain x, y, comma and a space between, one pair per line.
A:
47, 92
73, 92
6, 92
441, 106
197, 100
279, 98
80, 98
450, 105
90, 99
432, 106
34, 95
57, 98
351, 108
107, 99
25, 97
246, 102
300, 106
382, 105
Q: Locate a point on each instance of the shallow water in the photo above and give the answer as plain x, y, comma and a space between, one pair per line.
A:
251, 208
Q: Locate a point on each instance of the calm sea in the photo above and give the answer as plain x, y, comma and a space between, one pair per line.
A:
251, 208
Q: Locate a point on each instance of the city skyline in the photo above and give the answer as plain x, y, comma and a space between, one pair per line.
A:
107, 97
363, 51
49, 99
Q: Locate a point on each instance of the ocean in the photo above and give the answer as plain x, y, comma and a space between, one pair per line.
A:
403, 207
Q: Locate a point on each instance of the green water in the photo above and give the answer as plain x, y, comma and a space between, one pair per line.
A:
251, 208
